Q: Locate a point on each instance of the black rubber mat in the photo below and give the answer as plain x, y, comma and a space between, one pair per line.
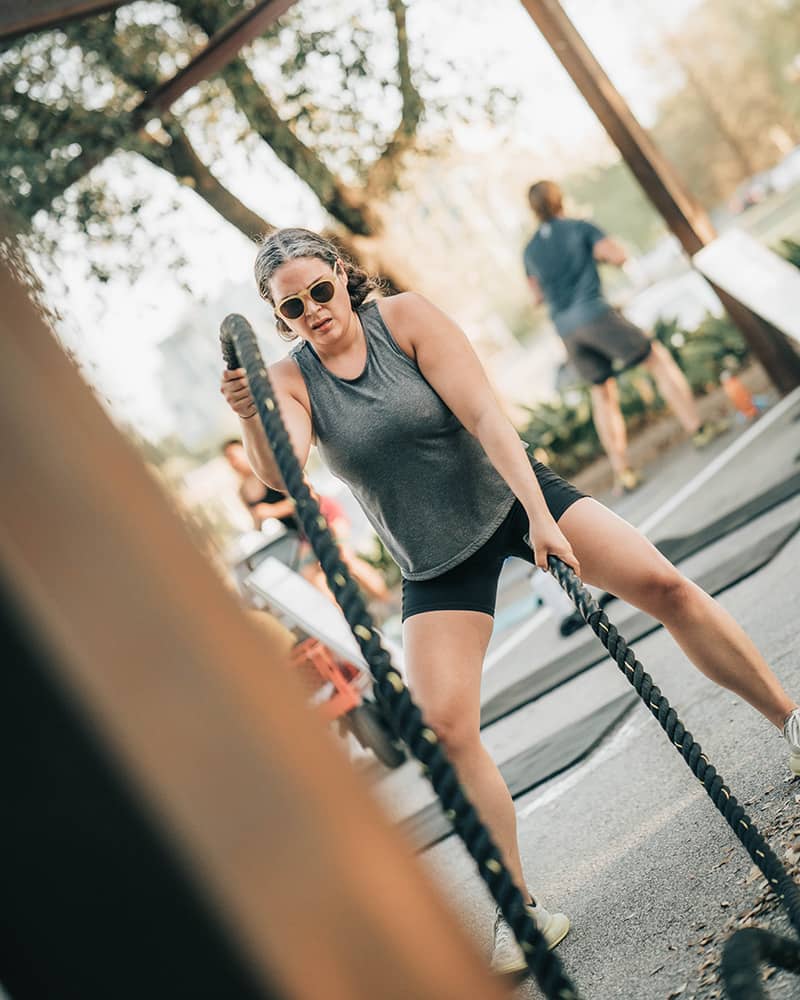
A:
531, 767
634, 626
683, 546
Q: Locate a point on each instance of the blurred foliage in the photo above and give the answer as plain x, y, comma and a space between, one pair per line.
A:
790, 249
378, 556
716, 131
337, 98
616, 203
561, 432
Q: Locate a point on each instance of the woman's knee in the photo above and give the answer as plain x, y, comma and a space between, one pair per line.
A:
459, 736
667, 594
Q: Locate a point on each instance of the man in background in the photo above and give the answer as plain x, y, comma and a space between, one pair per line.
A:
561, 265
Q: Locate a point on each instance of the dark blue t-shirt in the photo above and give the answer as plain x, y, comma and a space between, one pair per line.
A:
560, 257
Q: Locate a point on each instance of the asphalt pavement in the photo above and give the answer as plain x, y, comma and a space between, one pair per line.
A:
627, 841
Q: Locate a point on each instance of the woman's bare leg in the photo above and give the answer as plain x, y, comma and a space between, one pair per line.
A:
673, 386
444, 653
615, 556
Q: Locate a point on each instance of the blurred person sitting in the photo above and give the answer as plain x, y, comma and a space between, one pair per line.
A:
264, 503
561, 265
369, 578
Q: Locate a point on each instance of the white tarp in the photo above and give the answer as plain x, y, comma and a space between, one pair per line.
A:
308, 609
757, 277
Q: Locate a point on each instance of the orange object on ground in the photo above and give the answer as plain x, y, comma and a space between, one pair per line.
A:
738, 393
320, 667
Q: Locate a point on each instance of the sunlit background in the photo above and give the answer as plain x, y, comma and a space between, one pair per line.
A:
143, 254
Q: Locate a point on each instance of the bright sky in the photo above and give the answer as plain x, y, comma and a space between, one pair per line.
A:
114, 327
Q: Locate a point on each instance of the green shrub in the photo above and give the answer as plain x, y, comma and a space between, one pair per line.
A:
705, 352
560, 431
790, 249
378, 557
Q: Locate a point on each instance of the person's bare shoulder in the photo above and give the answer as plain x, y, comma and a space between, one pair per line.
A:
288, 381
407, 314
403, 307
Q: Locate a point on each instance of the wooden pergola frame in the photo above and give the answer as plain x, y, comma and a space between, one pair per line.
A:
118, 623
220, 50
176, 822
37, 15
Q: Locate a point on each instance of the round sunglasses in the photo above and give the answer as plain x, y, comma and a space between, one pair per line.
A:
294, 305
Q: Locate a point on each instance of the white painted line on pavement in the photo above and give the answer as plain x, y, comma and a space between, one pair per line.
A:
608, 748
720, 461
495, 655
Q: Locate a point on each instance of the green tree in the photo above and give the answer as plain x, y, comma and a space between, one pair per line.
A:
336, 99
616, 203
738, 107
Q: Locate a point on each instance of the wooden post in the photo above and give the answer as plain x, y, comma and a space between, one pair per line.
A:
38, 15
683, 214
196, 724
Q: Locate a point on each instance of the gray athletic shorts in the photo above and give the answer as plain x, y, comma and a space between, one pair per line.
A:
606, 346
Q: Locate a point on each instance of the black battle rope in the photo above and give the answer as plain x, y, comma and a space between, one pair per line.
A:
743, 954
744, 949
240, 349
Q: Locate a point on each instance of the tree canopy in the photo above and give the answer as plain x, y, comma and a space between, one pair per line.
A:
737, 110
337, 99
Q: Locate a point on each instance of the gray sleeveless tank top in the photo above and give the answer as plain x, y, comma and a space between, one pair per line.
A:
423, 481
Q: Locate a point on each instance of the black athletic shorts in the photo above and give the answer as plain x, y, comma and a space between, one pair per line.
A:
605, 347
472, 585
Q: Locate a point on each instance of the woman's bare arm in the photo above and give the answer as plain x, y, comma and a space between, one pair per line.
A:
449, 364
296, 417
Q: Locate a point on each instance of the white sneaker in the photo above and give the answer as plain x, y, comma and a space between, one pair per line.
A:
507, 955
791, 733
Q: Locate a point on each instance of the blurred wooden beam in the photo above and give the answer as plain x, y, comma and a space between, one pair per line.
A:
197, 721
37, 15
684, 215
217, 53
220, 50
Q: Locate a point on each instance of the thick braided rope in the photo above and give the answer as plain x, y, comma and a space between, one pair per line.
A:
756, 846
745, 951
393, 696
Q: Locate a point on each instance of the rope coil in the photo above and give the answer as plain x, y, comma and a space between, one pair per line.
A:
743, 951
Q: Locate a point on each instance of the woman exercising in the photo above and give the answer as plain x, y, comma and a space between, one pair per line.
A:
400, 408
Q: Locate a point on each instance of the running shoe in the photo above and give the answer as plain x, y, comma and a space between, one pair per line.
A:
626, 482
708, 431
791, 733
507, 955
